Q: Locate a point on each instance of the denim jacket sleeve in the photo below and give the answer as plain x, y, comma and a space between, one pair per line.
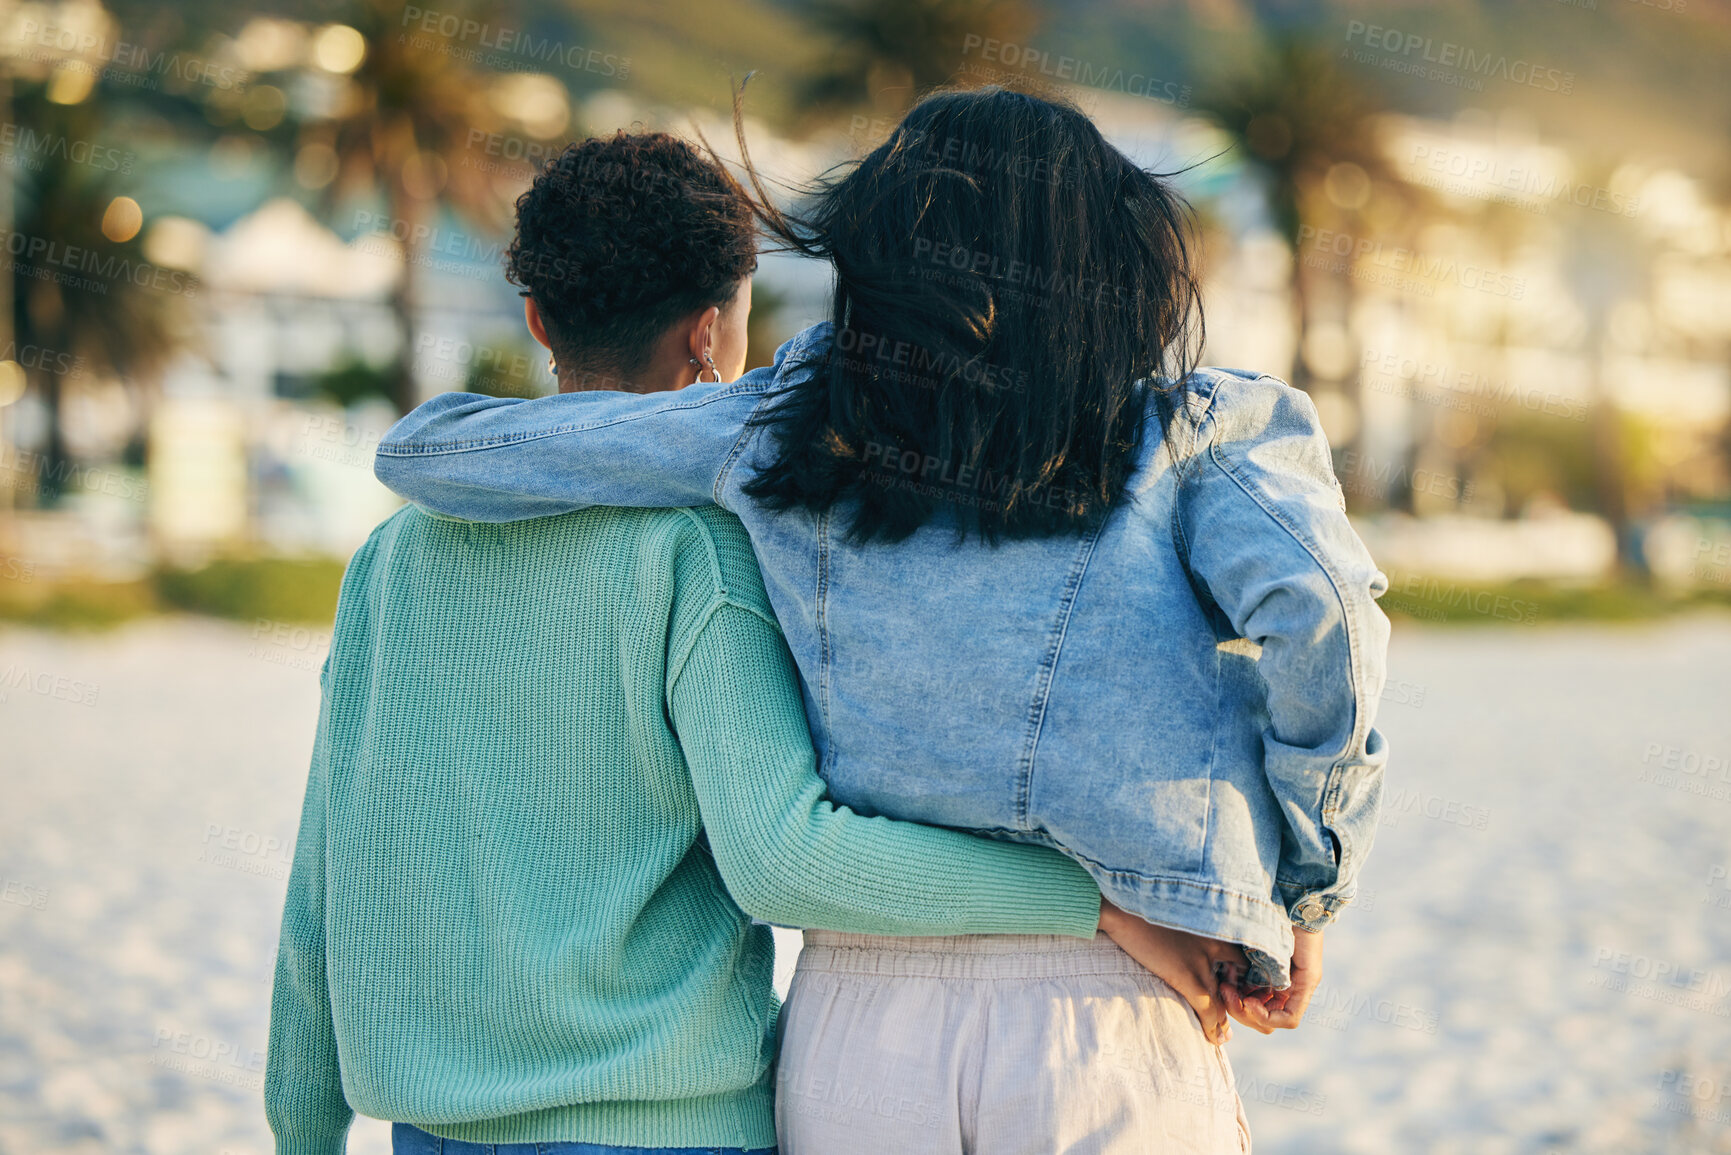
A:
500, 459
1262, 519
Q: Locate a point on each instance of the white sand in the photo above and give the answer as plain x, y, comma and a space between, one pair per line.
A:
1477, 1005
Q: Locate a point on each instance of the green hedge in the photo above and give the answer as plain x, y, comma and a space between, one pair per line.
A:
75, 605
281, 589
1440, 601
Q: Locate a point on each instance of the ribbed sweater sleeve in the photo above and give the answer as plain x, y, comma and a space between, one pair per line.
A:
303, 1088
790, 857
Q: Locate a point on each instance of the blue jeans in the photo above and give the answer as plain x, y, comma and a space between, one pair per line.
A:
410, 1140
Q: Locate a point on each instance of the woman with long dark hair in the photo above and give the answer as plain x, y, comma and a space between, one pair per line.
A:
1041, 579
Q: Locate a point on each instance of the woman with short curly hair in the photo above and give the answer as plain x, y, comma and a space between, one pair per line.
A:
634, 255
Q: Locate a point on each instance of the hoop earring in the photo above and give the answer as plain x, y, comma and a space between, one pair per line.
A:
713, 369
552, 366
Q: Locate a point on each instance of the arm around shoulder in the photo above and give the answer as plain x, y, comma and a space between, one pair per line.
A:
503, 459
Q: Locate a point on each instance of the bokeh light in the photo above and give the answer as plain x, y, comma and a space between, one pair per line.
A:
122, 219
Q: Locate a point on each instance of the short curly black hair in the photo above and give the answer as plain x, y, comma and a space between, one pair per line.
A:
621, 236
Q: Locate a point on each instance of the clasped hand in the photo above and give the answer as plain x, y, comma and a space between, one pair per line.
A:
1209, 974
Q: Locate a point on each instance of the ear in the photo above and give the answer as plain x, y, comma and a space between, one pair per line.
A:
537, 327
703, 335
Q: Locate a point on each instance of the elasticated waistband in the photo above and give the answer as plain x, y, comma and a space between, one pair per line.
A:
973, 956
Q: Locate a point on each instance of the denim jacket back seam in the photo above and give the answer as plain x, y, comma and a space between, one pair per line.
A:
821, 599
1210, 612
1048, 670
1213, 749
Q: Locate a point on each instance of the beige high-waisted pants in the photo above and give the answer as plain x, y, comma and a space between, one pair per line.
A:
995, 1045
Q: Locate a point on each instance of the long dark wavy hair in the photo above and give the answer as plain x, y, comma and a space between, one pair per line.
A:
1008, 288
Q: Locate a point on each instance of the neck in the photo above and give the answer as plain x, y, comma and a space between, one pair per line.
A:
582, 378
667, 367
659, 375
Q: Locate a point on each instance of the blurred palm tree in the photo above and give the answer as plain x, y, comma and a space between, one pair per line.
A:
122, 318
1306, 127
401, 127
1607, 262
887, 52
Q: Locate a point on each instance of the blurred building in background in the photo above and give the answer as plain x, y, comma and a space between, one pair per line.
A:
242, 242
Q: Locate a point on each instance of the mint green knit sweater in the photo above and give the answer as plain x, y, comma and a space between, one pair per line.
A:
558, 765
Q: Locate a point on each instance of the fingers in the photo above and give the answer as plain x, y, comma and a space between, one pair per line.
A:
1210, 1013
1276, 1000
1230, 963
1195, 967
1268, 1011
1196, 986
1237, 1008
1251, 1012
1306, 975
1284, 1019
1298, 998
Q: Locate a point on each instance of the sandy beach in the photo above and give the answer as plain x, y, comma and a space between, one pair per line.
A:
1540, 960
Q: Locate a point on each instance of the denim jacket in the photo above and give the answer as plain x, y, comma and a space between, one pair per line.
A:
1181, 699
